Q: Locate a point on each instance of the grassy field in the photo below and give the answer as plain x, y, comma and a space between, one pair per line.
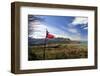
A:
63, 51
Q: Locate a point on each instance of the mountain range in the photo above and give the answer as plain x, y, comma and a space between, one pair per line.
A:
33, 41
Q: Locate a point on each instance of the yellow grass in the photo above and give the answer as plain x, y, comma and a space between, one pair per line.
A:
64, 51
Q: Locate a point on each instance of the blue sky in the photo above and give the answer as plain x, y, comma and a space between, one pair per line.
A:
75, 28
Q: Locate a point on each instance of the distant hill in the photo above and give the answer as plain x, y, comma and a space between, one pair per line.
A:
33, 41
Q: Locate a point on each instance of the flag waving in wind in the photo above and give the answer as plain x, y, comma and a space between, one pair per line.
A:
48, 35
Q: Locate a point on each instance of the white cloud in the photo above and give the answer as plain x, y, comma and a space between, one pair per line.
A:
80, 20
39, 31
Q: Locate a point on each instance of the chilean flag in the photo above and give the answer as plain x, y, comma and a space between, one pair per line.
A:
48, 35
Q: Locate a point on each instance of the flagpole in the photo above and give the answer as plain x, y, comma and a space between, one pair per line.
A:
44, 49
44, 55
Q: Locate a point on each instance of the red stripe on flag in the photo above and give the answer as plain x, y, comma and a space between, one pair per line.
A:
48, 35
